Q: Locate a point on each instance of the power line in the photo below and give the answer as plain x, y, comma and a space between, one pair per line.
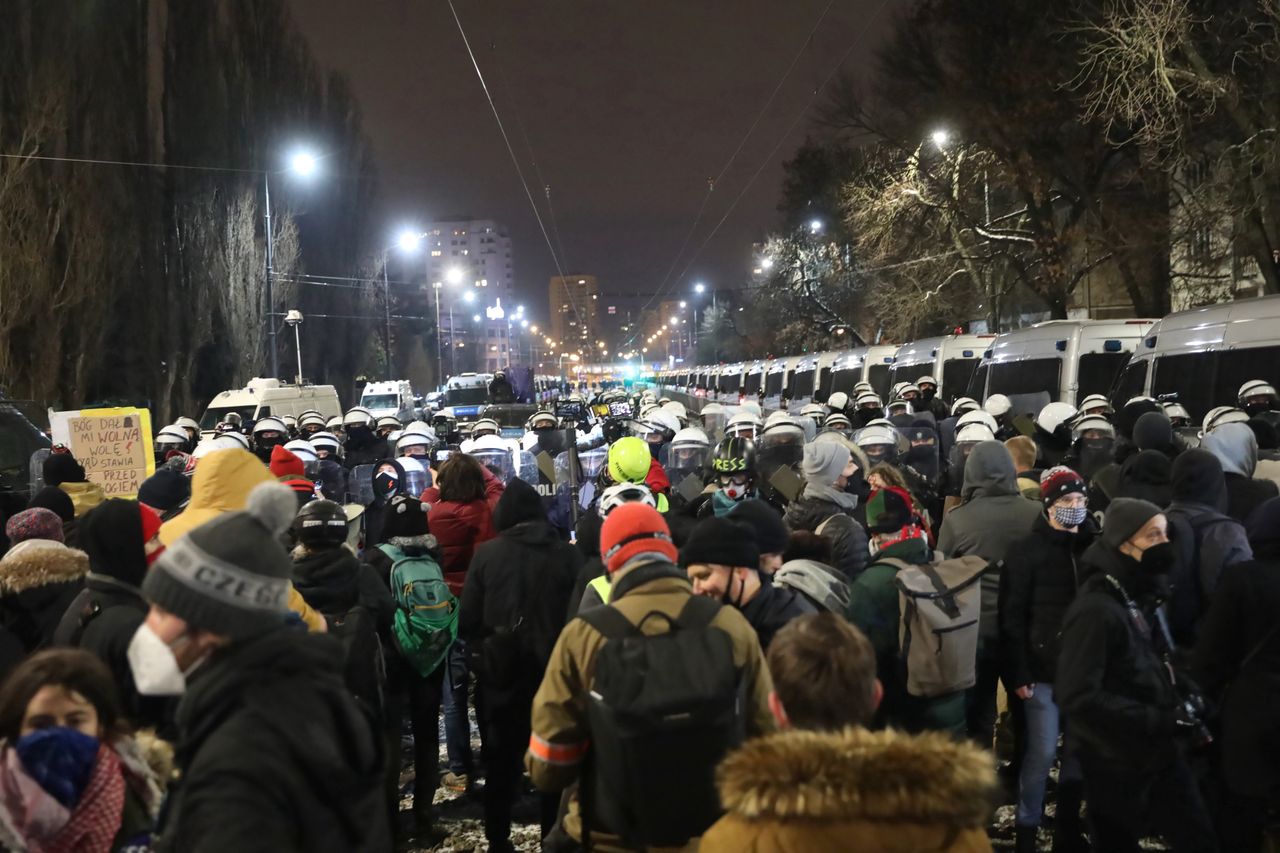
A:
514, 160
131, 163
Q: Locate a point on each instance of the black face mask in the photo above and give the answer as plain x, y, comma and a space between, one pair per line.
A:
1255, 409
385, 485
927, 394
1158, 559
857, 485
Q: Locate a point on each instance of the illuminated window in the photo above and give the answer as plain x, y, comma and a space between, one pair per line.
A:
435, 253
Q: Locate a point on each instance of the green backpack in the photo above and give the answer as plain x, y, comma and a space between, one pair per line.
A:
426, 622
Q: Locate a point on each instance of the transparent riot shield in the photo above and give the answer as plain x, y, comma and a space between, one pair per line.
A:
956, 460
35, 467
713, 423
1029, 404
922, 452
360, 485
416, 479
686, 459
332, 479
499, 461
1094, 453
780, 446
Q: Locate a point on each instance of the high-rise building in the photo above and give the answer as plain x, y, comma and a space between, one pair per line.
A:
574, 305
476, 251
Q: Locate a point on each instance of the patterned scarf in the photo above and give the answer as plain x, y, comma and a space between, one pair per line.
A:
49, 827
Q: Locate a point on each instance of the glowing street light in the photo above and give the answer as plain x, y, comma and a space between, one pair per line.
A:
699, 288
453, 275
469, 296
815, 225
409, 240
766, 262
303, 163
940, 138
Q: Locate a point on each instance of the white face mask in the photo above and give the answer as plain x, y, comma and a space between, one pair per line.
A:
154, 664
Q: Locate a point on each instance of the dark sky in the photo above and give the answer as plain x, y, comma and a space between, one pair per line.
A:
628, 109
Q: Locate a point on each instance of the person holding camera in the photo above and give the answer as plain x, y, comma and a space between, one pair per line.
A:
1131, 714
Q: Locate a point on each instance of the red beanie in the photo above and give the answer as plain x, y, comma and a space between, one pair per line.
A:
631, 529
150, 522
285, 464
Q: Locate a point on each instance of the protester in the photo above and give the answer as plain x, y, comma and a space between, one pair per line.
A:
1120, 699
897, 539
1147, 475
122, 540
825, 506
767, 528
62, 470
992, 519
1237, 449
1023, 451
461, 517
722, 560
253, 774
1038, 585
640, 559
1237, 664
39, 577
73, 777
51, 497
826, 783
514, 605
166, 492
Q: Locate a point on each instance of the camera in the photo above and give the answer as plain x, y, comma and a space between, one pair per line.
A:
1190, 716
568, 411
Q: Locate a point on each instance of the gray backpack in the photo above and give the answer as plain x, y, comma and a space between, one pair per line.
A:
940, 604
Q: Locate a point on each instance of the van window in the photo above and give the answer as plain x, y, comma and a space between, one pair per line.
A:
1238, 366
1026, 377
773, 384
730, 383
1188, 376
801, 383
752, 385
878, 376
1132, 383
844, 380
957, 373
911, 373
978, 384
1097, 372
380, 401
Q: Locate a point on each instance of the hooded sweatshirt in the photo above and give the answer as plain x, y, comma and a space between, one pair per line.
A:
1236, 447
1146, 476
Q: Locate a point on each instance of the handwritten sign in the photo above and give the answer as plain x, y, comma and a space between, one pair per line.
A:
114, 446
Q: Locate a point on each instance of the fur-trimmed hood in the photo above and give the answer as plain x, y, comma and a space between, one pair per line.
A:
859, 775
40, 562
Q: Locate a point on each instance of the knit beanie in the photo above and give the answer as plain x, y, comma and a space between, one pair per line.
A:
37, 523
720, 542
285, 463
165, 490
633, 529
823, 462
763, 523
1060, 481
62, 468
51, 497
1124, 518
404, 517
1197, 478
230, 575
1153, 431
889, 510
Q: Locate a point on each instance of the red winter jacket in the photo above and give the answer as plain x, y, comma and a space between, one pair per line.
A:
460, 527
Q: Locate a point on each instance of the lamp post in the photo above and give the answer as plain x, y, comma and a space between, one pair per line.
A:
303, 164
294, 318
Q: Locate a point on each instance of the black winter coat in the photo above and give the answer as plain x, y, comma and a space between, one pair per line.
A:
773, 607
1040, 579
1241, 620
275, 754
523, 577
38, 581
848, 538
334, 581
1245, 494
1111, 684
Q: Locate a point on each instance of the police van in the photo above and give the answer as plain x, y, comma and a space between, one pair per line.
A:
466, 394
806, 377
394, 398
877, 363
846, 370
951, 360
262, 397
1058, 360
729, 384
1205, 354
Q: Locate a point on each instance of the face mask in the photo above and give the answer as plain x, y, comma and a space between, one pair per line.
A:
1070, 516
927, 394
857, 485
154, 665
385, 484
60, 759
1255, 409
1158, 559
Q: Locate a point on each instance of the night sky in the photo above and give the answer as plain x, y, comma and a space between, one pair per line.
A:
628, 109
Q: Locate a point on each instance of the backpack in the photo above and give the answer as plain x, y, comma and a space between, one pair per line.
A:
426, 622
1188, 601
940, 605
663, 711
365, 671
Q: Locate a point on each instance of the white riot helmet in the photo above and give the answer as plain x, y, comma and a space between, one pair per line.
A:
909, 388
690, 436
751, 406
415, 444
485, 426
677, 409
312, 419
327, 443
816, 411
624, 493
1256, 388
876, 434
388, 422
838, 401
962, 405
973, 432
899, 407
1096, 404
542, 419
896, 390
711, 409
270, 424
1092, 423
997, 405
837, 421
1223, 415
171, 437
303, 450
1176, 413
743, 424
290, 422
1055, 415
357, 417
977, 416
658, 423
187, 424
862, 388
334, 423
869, 400
926, 380
419, 428
226, 440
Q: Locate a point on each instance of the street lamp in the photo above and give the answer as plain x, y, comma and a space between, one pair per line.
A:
454, 275
303, 164
815, 226
294, 318
940, 138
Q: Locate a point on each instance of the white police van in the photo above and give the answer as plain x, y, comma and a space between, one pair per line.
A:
466, 394
951, 360
1058, 360
1204, 355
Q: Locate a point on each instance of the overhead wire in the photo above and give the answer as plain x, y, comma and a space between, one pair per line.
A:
515, 161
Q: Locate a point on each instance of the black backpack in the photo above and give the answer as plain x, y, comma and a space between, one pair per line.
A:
365, 671
663, 711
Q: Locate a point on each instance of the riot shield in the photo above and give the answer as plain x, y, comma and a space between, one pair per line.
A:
332, 479
780, 447
1028, 404
36, 468
923, 453
360, 485
684, 460
713, 424
1094, 454
955, 464
416, 480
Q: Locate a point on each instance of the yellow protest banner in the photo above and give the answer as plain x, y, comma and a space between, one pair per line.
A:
114, 446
